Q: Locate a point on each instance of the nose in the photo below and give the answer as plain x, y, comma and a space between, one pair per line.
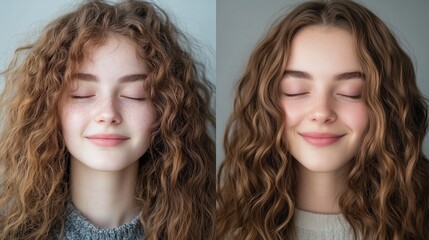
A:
323, 111
108, 112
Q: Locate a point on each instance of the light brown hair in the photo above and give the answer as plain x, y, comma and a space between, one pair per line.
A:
176, 183
387, 193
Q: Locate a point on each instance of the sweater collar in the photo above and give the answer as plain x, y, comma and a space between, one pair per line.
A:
78, 227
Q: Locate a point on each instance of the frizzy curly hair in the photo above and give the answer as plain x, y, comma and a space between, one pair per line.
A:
387, 187
176, 182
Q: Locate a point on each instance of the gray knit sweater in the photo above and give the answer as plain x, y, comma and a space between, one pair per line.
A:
78, 227
316, 226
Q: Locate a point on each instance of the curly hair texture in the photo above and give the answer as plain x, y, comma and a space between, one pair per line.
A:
176, 183
387, 192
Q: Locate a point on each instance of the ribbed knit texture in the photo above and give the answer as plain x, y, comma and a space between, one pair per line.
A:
78, 227
316, 226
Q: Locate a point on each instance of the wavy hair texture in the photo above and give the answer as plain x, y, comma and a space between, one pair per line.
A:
176, 183
387, 193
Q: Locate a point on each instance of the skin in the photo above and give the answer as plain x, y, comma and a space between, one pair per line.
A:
321, 93
108, 98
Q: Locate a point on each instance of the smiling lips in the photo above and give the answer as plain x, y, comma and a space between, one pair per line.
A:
321, 139
107, 140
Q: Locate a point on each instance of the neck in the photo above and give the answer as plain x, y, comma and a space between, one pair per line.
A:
319, 192
106, 199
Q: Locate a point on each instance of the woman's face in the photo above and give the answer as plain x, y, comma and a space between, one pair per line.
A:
321, 94
106, 117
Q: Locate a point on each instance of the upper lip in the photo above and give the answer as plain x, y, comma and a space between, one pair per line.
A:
107, 136
321, 135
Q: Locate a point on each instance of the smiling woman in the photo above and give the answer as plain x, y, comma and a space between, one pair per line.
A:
109, 87
325, 139
323, 104
100, 136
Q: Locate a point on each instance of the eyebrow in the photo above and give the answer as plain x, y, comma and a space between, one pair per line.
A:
341, 76
92, 78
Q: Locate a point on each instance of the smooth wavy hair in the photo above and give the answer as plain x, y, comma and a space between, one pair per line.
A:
387, 193
176, 183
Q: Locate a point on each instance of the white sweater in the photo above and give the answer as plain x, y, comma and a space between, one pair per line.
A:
317, 226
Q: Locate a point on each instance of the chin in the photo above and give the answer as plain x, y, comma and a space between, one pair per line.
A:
105, 164
328, 165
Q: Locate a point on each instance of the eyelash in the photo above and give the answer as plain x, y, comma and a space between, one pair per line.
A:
137, 99
351, 97
295, 94
83, 97
342, 95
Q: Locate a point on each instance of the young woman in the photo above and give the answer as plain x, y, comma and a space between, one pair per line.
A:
104, 131
325, 139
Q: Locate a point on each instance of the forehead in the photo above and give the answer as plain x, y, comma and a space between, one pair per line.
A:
115, 50
323, 50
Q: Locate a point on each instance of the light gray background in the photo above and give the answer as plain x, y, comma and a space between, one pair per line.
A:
21, 21
242, 23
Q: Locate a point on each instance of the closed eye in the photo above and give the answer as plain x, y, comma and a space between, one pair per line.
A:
80, 97
134, 98
294, 94
351, 96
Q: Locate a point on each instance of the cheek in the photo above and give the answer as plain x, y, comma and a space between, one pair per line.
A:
356, 117
294, 113
71, 119
143, 119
